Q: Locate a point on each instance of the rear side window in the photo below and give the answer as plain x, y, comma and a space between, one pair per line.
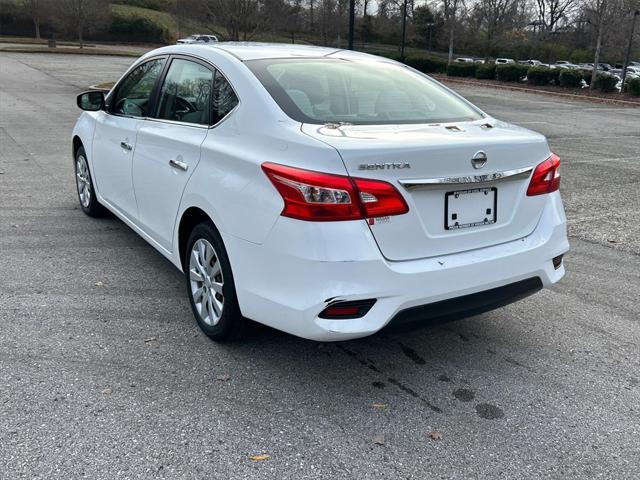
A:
186, 93
224, 98
322, 90
134, 92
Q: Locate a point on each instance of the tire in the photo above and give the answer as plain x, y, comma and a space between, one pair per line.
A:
84, 185
210, 285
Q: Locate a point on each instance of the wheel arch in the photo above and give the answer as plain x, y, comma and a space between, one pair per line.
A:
191, 217
77, 143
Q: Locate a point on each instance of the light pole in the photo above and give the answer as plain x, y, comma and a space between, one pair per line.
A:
626, 58
430, 26
352, 20
404, 29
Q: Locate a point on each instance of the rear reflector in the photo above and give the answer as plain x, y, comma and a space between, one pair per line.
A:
317, 196
557, 261
546, 177
347, 310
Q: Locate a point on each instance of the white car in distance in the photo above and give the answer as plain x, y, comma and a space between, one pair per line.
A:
197, 38
323, 192
532, 63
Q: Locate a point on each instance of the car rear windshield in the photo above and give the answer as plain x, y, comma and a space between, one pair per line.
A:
323, 90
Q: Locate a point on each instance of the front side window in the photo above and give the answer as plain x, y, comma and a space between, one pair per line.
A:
324, 90
186, 93
134, 92
224, 98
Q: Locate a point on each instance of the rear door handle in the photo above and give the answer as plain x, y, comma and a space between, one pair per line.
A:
178, 165
126, 146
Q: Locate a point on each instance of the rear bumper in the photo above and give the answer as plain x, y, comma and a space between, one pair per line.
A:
287, 281
467, 305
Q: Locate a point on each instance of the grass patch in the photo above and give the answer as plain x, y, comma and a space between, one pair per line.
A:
142, 24
35, 41
163, 19
68, 50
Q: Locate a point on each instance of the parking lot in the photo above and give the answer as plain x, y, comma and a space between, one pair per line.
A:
105, 374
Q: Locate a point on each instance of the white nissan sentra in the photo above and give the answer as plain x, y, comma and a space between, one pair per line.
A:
322, 192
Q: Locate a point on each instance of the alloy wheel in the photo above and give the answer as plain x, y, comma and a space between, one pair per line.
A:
83, 181
205, 278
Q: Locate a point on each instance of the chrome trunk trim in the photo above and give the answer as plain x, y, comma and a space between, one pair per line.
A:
413, 183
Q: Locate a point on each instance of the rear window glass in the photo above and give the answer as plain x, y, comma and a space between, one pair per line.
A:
343, 91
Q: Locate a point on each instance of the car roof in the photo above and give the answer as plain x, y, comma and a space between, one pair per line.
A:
257, 51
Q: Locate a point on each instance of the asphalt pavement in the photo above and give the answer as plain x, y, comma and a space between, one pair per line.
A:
105, 374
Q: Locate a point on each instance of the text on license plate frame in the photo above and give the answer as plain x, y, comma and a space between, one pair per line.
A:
452, 224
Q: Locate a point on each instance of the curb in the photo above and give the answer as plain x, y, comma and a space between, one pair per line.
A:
99, 88
569, 96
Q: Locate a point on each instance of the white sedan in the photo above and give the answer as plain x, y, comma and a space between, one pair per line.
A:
197, 38
323, 192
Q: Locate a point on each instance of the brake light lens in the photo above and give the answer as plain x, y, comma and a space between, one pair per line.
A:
546, 177
317, 196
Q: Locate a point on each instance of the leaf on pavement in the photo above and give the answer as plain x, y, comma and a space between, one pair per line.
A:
99, 284
378, 439
107, 391
259, 458
435, 436
150, 339
379, 405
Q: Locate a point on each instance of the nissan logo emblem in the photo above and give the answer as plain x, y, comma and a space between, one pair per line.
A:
479, 160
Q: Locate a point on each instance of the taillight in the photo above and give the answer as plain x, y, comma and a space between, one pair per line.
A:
546, 177
318, 196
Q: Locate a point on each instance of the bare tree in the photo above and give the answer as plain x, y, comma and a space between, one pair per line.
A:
495, 18
451, 9
365, 7
550, 12
241, 19
37, 11
600, 12
81, 16
311, 4
183, 10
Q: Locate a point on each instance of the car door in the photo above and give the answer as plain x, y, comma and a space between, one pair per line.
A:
168, 148
115, 135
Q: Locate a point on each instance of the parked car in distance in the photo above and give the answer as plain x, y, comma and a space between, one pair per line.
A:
564, 64
616, 72
504, 61
634, 64
633, 70
197, 38
533, 63
324, 211
464, 60
603, 66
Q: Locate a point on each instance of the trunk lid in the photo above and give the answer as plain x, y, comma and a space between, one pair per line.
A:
417, 159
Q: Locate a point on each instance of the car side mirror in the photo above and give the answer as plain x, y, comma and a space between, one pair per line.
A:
91, 101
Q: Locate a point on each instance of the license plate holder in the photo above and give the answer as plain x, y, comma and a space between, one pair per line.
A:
474, 207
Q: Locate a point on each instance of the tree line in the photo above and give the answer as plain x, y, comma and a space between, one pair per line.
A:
548, 30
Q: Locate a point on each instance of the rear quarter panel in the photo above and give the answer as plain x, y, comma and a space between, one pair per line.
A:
229, 183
